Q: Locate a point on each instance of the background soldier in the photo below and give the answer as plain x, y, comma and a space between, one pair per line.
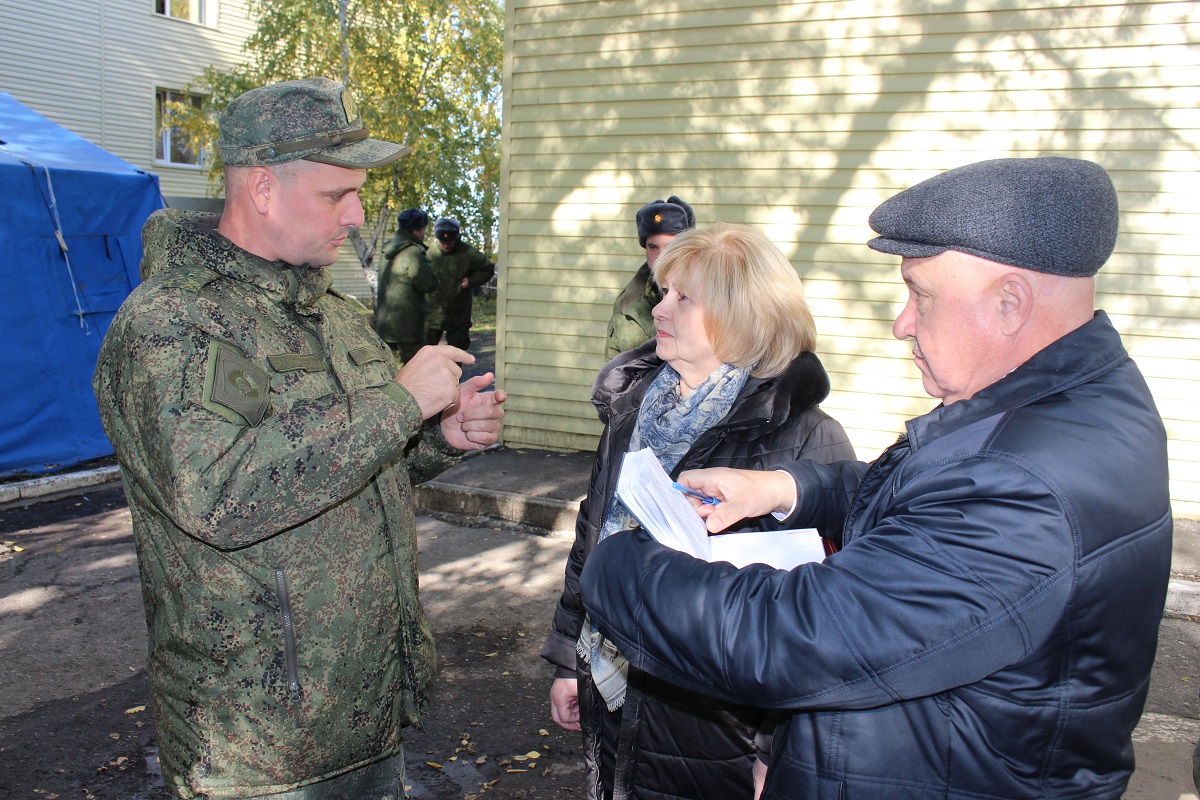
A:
631, 324
459, 268
268, 456
404, 281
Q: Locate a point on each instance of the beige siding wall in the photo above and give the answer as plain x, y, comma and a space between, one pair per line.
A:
799, 118
93, 67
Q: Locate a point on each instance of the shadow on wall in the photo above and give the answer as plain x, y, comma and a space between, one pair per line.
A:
845, 115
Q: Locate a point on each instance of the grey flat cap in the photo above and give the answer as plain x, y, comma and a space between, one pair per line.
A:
1048, 214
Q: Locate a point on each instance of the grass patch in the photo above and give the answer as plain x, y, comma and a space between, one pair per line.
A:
483, 313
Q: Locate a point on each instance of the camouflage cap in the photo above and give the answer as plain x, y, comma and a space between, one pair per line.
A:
314, 119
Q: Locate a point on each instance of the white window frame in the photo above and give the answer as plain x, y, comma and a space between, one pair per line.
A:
197, 11
163, 145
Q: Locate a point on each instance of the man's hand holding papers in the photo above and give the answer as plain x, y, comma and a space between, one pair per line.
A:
645, 489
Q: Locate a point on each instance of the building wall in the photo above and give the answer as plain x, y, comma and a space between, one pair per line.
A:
93, 67
799, 118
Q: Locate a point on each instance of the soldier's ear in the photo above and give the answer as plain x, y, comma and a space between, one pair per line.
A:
261, 184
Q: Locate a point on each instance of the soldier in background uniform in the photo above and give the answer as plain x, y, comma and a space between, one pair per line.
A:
459, 268
404, 281
268, 455
631, 323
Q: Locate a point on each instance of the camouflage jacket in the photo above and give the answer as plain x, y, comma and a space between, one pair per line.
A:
250, 408
404, 281
449, 308
631, 323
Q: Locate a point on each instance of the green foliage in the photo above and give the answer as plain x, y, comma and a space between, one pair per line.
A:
426, 74
483, 313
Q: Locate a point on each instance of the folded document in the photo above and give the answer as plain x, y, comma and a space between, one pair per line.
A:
645, 489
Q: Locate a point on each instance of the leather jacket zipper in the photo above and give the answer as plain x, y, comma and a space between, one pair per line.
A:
289, 639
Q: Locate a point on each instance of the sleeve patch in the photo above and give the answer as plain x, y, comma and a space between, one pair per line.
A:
237, 384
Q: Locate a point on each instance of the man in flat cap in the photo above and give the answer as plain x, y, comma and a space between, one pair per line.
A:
268, 451
988, 626
631, 323
404, 282
459, 268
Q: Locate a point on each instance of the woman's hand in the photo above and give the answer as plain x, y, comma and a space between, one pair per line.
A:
564, 703
743, 493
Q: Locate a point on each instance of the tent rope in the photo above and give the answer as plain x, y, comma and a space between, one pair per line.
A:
52, 206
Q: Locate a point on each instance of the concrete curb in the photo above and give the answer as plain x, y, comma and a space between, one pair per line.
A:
57, 484
1183, 597
547, 513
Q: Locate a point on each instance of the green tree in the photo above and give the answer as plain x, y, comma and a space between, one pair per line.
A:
426, 74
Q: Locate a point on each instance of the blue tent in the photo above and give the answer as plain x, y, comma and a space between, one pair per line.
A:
70, 243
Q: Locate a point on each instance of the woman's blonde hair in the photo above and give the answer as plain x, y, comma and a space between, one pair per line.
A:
753, 301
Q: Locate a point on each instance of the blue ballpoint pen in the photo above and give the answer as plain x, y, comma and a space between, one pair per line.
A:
701, 496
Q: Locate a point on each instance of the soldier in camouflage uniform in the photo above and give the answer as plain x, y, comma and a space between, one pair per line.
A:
459, 268
631, 323
268, 455
404, 281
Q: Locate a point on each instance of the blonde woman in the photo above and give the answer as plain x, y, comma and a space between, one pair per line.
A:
730, 380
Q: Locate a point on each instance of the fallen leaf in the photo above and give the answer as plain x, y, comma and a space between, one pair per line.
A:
491, 655
532, 754
543, 732
481, 760
434, 764
135, 710
516, 770
114, 736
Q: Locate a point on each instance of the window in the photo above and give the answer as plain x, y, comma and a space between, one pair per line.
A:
191, 10
174, 145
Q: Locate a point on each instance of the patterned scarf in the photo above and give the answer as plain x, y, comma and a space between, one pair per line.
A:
669, 425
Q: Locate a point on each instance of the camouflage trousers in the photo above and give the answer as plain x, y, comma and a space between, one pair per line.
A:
383, 780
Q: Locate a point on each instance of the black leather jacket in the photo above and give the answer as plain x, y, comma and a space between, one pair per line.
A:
773, 420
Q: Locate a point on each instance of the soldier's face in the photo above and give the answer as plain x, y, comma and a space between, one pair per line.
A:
313, 210
655, 245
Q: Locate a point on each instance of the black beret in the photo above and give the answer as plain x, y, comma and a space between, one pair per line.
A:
1049, 214
664, 216
446, 229
412, 219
